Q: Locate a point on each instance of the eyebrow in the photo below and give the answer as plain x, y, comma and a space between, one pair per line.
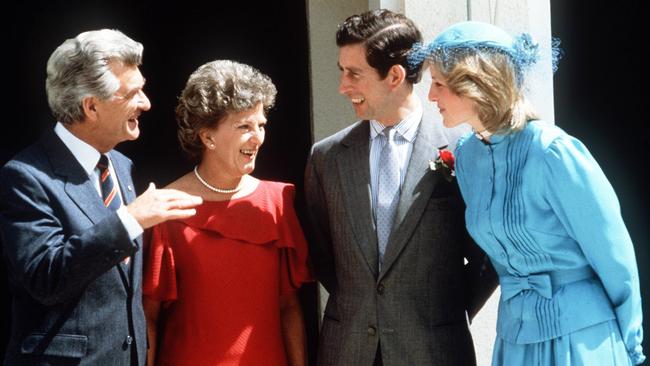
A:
136, 88
353, 69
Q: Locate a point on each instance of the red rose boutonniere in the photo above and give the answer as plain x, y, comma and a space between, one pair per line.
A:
444, 163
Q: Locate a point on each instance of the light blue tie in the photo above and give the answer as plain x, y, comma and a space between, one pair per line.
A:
388, 190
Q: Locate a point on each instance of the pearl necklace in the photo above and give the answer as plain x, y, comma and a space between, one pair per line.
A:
213, 188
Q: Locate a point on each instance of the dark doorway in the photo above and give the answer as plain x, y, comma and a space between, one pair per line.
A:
178, 37
602, 93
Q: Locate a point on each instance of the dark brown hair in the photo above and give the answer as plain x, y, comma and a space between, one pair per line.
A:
388, 38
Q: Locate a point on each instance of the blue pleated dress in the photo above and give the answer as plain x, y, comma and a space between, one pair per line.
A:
542, 209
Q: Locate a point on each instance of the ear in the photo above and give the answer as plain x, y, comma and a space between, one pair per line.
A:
89, 105
396, 75
206, 138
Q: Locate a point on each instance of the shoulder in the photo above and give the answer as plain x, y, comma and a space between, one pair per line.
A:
344, 136
544, 133
548, 139
433, 131
32, 161
557, 150
276, 198
116, 155
278, 191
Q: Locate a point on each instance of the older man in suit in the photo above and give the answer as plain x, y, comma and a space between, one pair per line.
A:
69, 218
387, 234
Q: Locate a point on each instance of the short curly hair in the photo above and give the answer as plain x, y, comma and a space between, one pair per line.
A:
213, 91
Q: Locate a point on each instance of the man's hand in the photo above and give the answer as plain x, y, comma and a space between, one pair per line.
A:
157, 205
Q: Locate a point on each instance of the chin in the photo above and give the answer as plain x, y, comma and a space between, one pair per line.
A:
449, 124
248, 169
133, 134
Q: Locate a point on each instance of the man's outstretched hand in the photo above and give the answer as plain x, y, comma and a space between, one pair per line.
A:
157, 205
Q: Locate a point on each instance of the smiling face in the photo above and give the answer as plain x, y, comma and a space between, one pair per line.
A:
455, 109
116, 118
362, 84
232, 146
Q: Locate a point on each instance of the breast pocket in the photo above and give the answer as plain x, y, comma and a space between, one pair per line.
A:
60, 345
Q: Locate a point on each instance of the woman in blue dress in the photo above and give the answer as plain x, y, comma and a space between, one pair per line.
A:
540, 207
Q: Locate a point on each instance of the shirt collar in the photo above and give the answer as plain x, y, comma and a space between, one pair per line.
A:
85, 154
407, 128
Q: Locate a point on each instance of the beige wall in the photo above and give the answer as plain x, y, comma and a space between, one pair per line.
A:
330, 111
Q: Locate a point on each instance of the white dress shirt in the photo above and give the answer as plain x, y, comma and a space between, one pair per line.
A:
88, 156
406, 132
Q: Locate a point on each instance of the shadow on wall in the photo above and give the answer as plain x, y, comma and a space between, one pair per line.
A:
601, 97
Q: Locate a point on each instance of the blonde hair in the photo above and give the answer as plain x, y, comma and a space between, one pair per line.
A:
491, 81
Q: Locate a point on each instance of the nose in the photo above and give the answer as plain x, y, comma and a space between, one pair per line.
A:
143, 101
258, 135
433, 94
344, 86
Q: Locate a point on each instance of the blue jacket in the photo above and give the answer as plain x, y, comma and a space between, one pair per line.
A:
542, 209
73, 303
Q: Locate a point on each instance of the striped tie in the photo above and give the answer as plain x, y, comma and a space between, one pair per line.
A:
108, 187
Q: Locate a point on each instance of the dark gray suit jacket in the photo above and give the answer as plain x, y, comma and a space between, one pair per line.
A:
73, 302
415, 307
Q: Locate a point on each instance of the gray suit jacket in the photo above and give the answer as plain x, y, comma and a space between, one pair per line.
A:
415, 307
73, 302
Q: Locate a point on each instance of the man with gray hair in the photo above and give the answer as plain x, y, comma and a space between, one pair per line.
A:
69, 218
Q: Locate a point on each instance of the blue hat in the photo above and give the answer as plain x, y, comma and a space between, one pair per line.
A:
481, 37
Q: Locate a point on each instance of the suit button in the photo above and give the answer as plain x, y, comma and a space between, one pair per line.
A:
372, 331
128, 340
380, 289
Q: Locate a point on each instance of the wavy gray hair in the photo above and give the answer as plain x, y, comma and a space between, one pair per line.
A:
80, 67
215, 90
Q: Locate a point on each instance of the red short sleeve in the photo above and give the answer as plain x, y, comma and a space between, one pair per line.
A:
159, 267
294, 267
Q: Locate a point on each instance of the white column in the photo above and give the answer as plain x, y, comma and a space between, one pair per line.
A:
330, 111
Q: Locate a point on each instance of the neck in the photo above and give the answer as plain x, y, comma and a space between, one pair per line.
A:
480, 130
83, 131
403, 109
208, 175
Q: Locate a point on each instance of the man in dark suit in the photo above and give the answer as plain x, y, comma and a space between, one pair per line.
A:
390, 253
69, 218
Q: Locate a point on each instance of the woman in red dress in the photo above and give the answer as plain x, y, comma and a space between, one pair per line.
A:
220, 287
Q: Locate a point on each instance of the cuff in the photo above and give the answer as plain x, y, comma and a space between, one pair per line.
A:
130, 224
637, 355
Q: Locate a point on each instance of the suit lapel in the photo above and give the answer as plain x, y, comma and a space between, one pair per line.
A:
81, 190
125, 183
354, 173
416, 191
77, 185
123, 178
